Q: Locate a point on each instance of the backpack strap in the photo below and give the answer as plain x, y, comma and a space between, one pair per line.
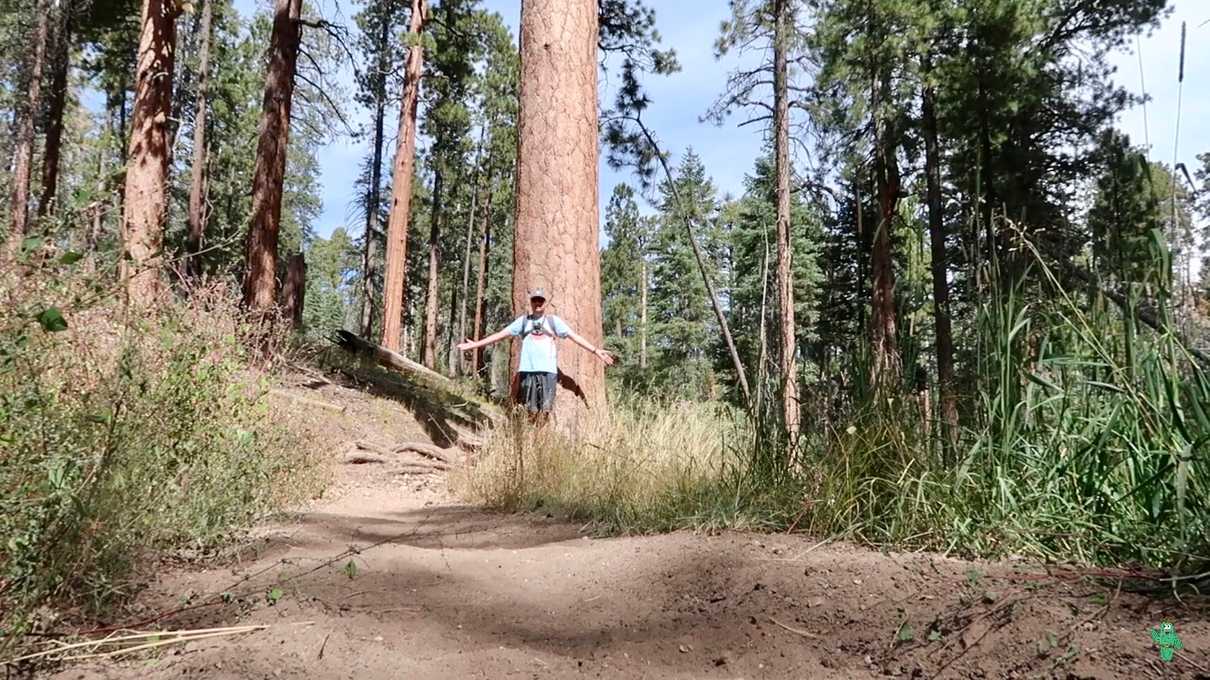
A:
531, 325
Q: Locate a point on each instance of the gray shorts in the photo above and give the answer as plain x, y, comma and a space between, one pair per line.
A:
537, 391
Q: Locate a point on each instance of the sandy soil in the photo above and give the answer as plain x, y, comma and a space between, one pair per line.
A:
442, 590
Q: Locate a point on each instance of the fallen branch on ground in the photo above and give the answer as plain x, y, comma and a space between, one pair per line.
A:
796, 631
149, 640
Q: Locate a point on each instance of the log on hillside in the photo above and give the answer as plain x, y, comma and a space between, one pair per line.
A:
386, 357
396, 361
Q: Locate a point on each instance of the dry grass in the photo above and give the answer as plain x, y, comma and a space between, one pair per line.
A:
644, 468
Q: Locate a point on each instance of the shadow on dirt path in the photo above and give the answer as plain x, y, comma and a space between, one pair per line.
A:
391, 578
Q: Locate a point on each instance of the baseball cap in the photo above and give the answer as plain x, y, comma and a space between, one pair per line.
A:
537, 293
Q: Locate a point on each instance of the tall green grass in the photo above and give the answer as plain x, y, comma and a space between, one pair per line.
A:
1088, 443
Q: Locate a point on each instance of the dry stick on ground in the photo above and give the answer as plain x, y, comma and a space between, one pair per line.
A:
796, 631
176, 635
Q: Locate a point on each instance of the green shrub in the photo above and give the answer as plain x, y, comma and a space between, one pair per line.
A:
124, 433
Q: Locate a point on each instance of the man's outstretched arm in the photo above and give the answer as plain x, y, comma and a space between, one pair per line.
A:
600, 353
468, 345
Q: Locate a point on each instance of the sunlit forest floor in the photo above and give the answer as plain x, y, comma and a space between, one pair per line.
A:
389, 576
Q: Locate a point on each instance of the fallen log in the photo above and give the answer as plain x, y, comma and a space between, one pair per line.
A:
397, 362
386, 357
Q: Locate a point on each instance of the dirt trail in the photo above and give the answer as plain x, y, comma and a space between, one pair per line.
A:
442, 590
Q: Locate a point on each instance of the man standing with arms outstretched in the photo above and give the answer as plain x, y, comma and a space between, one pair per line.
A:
538, 371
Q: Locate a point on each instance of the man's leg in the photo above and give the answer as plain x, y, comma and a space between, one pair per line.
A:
546, 403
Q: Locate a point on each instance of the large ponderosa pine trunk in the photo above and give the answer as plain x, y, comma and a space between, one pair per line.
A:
260, 277
146, 196
401, 185
23, 154
941, 303
556, 227
197, 184
785, 280
374, 190
61, 63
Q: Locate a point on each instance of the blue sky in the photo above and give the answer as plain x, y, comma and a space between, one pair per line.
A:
728, 152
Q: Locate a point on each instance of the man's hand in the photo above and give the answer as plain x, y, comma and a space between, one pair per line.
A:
467, 345
604, 356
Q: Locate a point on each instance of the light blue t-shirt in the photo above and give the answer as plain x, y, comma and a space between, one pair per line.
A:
538, 352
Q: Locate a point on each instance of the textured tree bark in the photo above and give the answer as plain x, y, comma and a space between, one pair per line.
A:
53, 145
197, 184
432, 296
763, 320
147, 160
785, 282
401, 185
941, 303
885, 365
23, 154
485, 244
643, 313
374, 191
260, 277
295, 289
556, 227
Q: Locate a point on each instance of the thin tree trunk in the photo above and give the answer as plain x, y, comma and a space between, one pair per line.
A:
93, 236
260, 277
54, 120
23, 154
457, 366
484, 250
941, 303
374, 191
147, 164
401, 185
643, 312
197, 185
433, 291
763, 321
785, 274
555, 244
724, 327
885, 368
295, 289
